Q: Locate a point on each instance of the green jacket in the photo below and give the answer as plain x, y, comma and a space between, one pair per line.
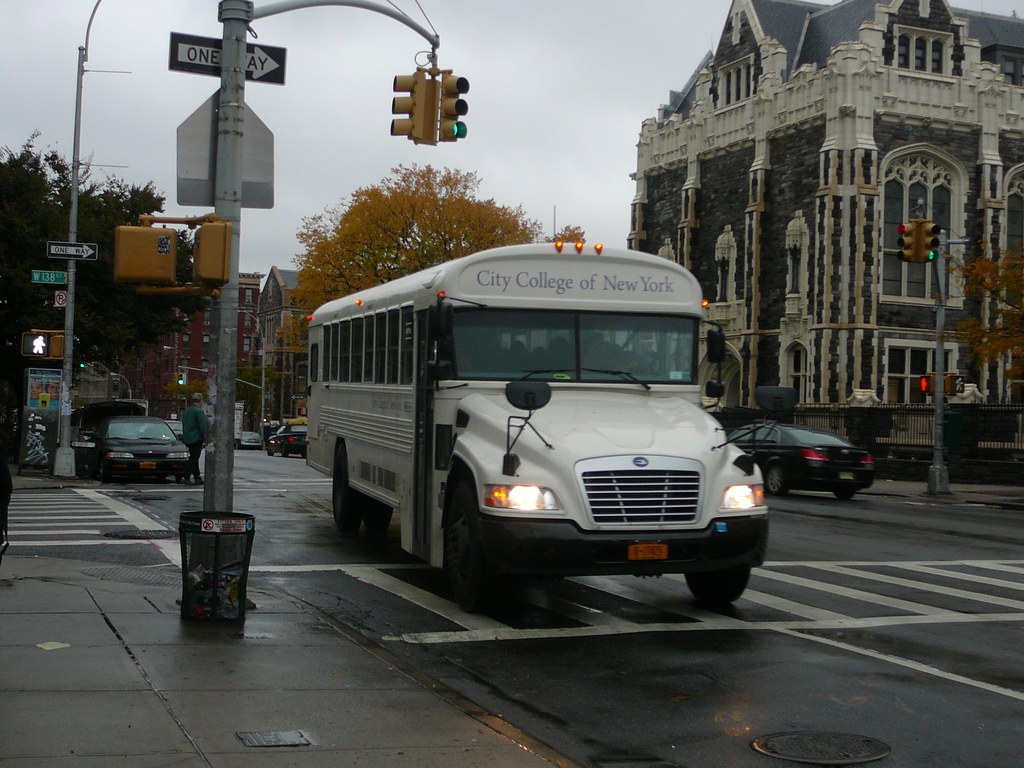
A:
193, 425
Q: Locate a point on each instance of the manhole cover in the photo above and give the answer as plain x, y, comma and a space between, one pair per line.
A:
821, 747
135, 533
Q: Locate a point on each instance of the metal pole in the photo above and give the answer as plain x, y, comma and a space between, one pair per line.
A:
235, 15
938, 474
64, 460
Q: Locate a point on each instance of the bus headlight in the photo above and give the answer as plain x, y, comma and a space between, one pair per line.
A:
743, 497
525, 498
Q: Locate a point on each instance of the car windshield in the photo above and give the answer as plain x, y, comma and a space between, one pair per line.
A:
574, 346
139, 430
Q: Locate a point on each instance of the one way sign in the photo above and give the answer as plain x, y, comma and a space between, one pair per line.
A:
201, 55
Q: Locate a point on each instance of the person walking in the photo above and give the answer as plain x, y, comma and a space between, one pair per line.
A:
193, 434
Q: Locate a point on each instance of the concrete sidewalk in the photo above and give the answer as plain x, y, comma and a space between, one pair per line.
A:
98, 669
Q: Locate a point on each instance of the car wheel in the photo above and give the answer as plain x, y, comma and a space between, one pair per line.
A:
471, 581
775, 481
106, 474
844, 493
718, 587
270, 451
344, 499
284, 453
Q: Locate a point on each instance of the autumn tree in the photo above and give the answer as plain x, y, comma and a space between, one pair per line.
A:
111, 320
999, 333
569, 234
415, 218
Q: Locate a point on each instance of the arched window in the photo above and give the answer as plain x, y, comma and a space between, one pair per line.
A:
1015, 215
937, 57
903, 52
725, 263
920, 54
796, 370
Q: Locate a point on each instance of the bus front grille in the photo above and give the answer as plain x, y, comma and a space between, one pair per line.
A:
642, 496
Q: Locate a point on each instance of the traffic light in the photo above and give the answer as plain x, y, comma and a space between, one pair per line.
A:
929, 233
44, 345
182, 377
56, 346
211, 254
906, 240
420, 105
453, 107
145, 255
926, 383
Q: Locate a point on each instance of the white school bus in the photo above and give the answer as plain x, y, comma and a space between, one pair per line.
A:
534, 409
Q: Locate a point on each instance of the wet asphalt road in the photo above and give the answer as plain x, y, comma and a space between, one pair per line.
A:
886, 617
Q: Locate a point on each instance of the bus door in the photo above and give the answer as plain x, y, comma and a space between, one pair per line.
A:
423, 461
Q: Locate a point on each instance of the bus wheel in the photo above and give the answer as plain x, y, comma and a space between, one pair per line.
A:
463, 557
718, 587
344, 499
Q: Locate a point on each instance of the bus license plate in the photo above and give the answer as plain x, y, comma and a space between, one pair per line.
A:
147, 465
648, 550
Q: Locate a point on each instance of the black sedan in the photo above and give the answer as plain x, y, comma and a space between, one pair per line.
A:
803, 458
289, 439
135, 445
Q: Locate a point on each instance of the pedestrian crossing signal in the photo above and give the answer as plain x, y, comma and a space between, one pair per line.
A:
45, 345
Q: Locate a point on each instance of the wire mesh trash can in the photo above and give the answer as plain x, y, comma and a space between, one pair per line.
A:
215, 552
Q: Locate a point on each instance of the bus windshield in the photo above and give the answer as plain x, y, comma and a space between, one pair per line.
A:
574, 346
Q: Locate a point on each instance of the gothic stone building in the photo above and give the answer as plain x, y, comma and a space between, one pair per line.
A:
780, 173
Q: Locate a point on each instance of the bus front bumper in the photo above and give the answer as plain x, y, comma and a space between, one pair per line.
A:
560, 548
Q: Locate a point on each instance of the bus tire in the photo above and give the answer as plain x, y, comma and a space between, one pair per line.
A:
471, 581
718, 587
344, 499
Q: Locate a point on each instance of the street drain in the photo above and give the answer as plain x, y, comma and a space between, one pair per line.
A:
273, 738
821, 747
136, 533
136, 576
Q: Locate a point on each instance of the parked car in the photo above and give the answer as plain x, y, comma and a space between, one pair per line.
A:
135, 445
176, 427
250, 441
289, 439
803, 458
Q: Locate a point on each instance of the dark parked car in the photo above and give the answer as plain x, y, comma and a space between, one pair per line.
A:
289, 439
803, 458
135, 445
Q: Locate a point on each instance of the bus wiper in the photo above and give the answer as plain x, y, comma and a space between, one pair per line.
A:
623, 374
545, 370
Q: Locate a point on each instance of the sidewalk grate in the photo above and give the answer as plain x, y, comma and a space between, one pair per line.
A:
136, 576
273, 738
136, 533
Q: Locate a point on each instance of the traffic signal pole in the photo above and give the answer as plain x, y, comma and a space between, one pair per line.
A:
938, 474
235, 16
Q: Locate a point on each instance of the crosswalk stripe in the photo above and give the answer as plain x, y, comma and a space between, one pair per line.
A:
923, 586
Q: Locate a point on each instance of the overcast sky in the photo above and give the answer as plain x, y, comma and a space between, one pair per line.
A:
559, 89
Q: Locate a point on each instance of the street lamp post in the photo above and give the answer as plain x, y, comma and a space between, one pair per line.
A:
64, 459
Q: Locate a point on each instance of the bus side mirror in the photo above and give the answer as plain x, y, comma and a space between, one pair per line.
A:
528, 395
716, 345
776, 399
714, 389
